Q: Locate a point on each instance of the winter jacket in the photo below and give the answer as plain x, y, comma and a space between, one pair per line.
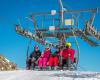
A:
56, 53
35, 54
47, 54
69, 52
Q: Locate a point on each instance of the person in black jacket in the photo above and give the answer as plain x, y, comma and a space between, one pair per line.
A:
34, 56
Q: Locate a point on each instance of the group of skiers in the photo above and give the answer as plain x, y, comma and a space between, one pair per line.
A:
59, 58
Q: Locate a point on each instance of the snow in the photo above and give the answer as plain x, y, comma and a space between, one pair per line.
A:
48, 75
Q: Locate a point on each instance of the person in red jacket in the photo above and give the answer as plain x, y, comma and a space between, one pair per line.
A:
67, 55
42, 62
54, 59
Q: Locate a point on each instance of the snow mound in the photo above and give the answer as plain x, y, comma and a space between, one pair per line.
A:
48, 75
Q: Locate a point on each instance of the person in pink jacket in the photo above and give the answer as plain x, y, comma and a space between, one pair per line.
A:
42, 62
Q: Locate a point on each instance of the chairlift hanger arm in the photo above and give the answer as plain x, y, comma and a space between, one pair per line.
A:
34, 22
92, 18
36, 26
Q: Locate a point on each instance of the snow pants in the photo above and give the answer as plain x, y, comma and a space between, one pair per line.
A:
53, 61
66, 62
42, 62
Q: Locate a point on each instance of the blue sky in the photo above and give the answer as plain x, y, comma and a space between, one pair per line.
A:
14, 47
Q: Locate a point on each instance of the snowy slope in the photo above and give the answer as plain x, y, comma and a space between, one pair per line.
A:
48, 75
